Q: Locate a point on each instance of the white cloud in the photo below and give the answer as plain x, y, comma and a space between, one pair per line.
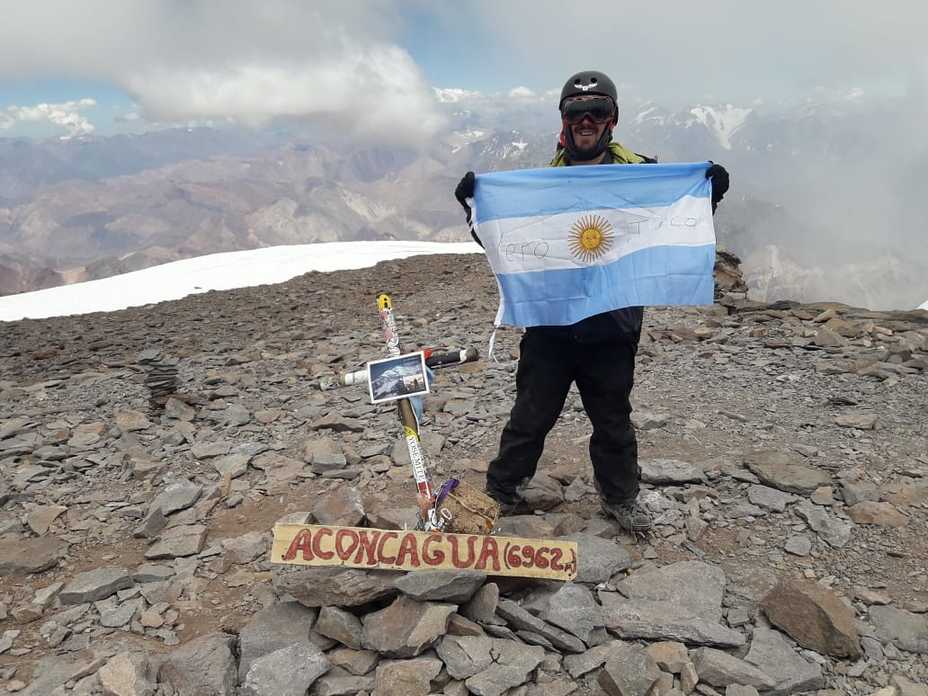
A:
236, 59
453, 95
132, 116
731, 48
373, 91
523, 92
65, 115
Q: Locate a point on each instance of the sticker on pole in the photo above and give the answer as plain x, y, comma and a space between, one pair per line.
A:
398, 377
357, 547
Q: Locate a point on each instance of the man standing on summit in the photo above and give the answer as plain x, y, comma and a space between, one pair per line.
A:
598, 353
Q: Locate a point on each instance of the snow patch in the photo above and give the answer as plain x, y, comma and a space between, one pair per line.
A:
923, 305
472, 134
461, 138
645, 116
225, 271
723, 122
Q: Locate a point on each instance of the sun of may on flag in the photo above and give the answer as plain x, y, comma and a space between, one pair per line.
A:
566, 243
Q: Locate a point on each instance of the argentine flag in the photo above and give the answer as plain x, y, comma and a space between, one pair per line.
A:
566, 243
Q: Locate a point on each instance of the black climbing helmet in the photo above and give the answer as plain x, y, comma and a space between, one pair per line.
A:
589, 82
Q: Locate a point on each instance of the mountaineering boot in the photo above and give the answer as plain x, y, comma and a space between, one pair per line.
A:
629, 514
508, 504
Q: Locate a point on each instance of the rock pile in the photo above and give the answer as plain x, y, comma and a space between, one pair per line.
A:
729, 280
782, 455
160, 378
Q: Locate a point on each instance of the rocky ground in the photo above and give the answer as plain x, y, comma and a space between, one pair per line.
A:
784, 454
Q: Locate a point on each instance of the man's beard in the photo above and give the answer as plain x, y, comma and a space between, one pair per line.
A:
586, 154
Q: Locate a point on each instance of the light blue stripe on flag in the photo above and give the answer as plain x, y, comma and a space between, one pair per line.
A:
570, 242
559, 189
563, 297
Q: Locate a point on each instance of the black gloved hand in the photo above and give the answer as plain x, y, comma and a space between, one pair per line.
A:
719, 176
465, 190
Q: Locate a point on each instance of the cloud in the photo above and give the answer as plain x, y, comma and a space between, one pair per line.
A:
728, 48
132, 116
453, 95
65, 115
521, 92
250, 62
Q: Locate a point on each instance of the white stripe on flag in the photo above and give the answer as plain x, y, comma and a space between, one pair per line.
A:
550, 242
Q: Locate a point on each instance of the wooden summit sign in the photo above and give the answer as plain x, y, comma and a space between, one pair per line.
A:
357, 547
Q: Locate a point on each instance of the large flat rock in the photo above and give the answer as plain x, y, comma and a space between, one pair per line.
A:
406, 677
406, 628
598, 559
670, 471
513, 663
51, 673
482, 606
648, 620
905, 630
790, 671
205, 666
340, 587
340, 625
178, 495
289, 671
178, 542
720, 669
693, 587
680, 602
520, 619
629, 670
27, 556
784, 471
95, 585
127, 673
455, 586
770, 498
341, 507
277, 626
595, 657
573, 608
834, 531
465, 656
813, 616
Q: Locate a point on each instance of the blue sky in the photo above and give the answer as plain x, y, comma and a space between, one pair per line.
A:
449, 58
112, 102
446, 57
181, 61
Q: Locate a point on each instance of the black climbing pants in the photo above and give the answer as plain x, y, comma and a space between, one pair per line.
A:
604, 372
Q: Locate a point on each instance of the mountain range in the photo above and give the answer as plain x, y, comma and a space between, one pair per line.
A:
821, 205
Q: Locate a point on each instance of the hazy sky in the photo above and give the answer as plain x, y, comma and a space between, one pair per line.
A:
99, 65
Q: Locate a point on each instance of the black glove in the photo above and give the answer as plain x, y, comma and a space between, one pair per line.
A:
465, 190
719, 176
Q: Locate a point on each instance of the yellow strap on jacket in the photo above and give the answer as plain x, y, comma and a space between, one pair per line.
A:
620, 155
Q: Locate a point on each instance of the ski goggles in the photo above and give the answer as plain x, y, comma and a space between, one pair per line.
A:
599, 109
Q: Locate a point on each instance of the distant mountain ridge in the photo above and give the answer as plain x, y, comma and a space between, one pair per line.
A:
92, 207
